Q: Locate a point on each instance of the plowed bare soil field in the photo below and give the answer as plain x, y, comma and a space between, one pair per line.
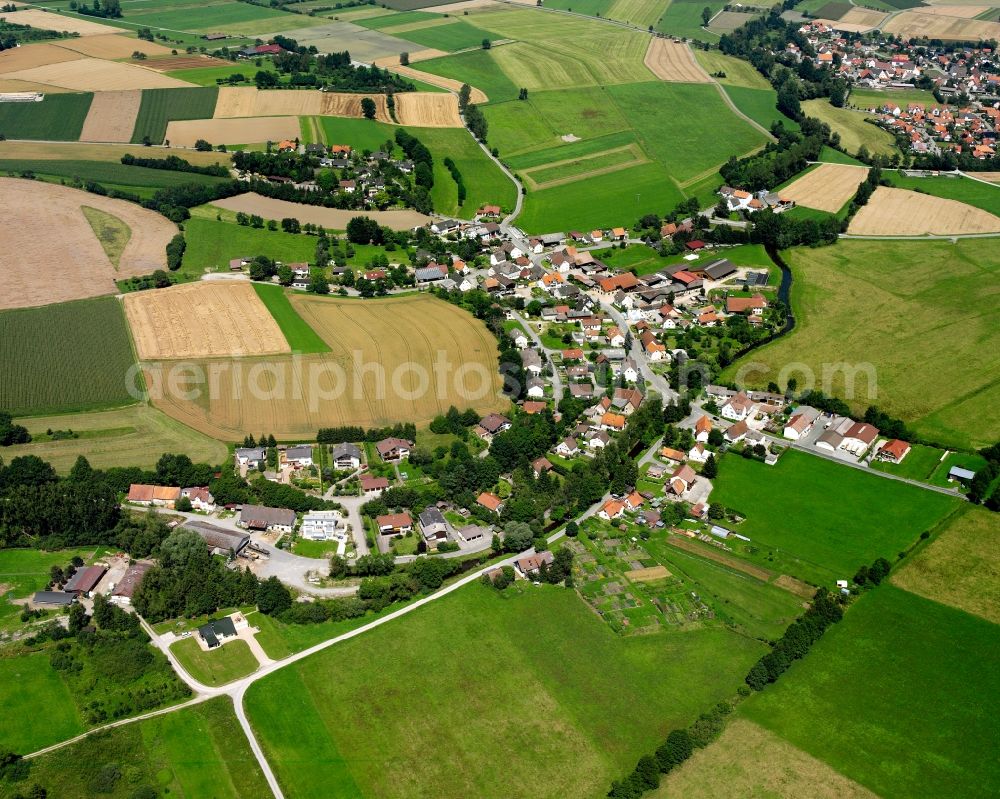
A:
50, 252
250, 130
827, 187
330, 218
673, 61
207, 319
112, 46
898, 212
247, 101
172, 62
934, 26
93, 74
112, 116
428, 110
381, 368
35, 55
57, 22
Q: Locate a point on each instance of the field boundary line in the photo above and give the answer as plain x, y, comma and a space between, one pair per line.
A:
639, 158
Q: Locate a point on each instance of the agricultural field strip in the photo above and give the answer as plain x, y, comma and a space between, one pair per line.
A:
825, 188
900, 212
638, 157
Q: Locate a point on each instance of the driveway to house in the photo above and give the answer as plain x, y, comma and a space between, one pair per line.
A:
557, 385
352, 507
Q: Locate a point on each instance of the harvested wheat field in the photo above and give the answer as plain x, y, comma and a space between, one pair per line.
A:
51, 253
965, 12
85, 151
748, 760
648, 575
899, 212
252, 130
113, 45
934, 26
247, 101
673, 61
380, 369
207, 319
827, 187
428, 110
32, 56
57, 22
93, 74
28, 86
420, 55
112, 116
478, 96
992, 177
845, 27
330, 218
865, 17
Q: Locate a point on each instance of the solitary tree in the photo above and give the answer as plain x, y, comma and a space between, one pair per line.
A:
368, 107
487, 44
706, 15
404, 59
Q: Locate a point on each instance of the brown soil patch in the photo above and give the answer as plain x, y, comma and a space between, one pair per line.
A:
478, 96
111, 116
34, 55
685, 543
934, 26
648, 575
846, 27
83, 151
468, 5
92, 74
172, 62
419, 55
748, 760
992, 177
208, 319
57, 22
330, 218
247, 101
428, 110
827, 187
251, 130
865, 17
28, 86
898, 212
112, 46
673, 61
795, 586
50, 252
964, 12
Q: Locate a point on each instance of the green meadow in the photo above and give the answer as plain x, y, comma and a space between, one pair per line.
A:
59, 117
211, 245
217, 666
200, 751
918, 286
899, 697
501, 684
160, 106
827, 518
38, 709
301, 338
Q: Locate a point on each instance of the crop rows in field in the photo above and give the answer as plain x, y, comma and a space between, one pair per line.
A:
67, 357
160, 106
58, 117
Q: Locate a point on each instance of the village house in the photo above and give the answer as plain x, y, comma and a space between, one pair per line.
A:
346, 456
322, 525
859, 437
251, 457
161, 496
737, 408
568, 447
300, 456
393, 449
800, 423
215, 633
490, 501
200, 498
893, 451
490, 425
702, 428
258, 517
682, 479
612, 510
394, 523
433, 527
529, 566
373, 486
